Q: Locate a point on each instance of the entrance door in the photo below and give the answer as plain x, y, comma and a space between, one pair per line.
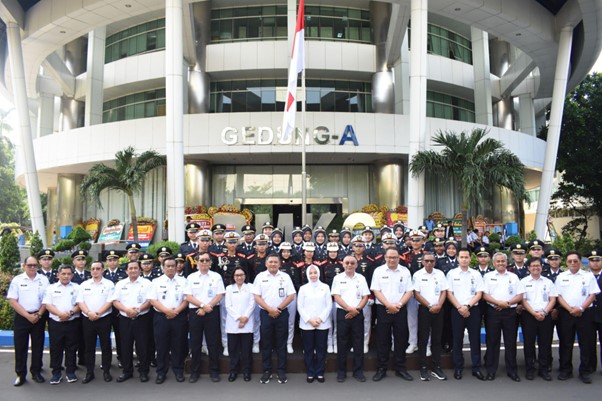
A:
295, 210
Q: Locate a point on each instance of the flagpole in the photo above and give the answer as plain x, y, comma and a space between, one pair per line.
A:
303, 172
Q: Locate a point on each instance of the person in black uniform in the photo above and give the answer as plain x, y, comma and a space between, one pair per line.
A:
79, 276
150, 273
203, 238
247, 246
162, 253
25, 295
334, 236
536, 251
190, 246
320, 242
267, 228
518, 267
132, 251
115, 274
450, 261
218, 231
438, 232
275, 240
345, 242
307, 233
484, 267
595, 266
297, 245
45, 258
554, 258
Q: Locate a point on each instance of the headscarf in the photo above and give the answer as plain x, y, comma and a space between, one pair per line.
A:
311, 283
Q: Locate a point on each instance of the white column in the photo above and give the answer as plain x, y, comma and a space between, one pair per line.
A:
558, 95
95, 76
526, 114
20, 97
174, 119
45, 114
482, 77
402, 79
418, 135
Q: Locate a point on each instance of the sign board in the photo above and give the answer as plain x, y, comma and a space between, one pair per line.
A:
111, 234
145, 234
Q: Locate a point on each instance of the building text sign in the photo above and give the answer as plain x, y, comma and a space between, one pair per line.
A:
267, 136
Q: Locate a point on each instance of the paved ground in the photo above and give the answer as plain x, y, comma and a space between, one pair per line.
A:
391, 388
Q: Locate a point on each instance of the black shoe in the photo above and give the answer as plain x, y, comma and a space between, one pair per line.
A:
266, 377
360, 377
379, 375
194, 377
341, 379
143, 377
38, 378
180, 377
514, 377
153, 363
545, 375
215, 378
123, 377
89, 377
530, 375
107, 377
564, 376
159, 380
438, 373
424, 374
404, 375
320, 379
246, 377
585, 378
479, 375
490, 376
458, 374
310, 379
232, 377
19, 381
137, 364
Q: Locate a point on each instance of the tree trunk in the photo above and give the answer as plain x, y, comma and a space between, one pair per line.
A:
464, 226
133, 216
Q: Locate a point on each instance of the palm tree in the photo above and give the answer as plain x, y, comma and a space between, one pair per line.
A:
475, 163
127, 177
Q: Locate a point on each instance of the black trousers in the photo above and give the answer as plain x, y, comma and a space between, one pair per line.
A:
350, 333
81, 345
385, 325
170, 339
64, 340
568, 326
100, 328
498, 322
473, 324
137, 330
314, 351
115, 326
429, 324
542, 333
597, 337
447, 338
274, 334
209, 325
240, 346
23, 331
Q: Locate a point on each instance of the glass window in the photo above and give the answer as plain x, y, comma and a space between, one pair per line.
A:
142, 38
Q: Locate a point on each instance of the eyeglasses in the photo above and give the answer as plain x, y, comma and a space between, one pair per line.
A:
204, 260
572, 261
146, 263
32, 265
96, 268
428, 260
416, 239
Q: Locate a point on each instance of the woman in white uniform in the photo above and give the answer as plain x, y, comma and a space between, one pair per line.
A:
314, 304
240, 304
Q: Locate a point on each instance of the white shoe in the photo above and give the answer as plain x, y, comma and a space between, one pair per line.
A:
411, 349
289, 348
226, 352
330, 349
256, 348
428, 351
204, 350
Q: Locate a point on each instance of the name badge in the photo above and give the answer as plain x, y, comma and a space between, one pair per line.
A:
140, 299
281, 292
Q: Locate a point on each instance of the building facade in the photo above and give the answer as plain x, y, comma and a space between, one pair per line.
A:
204, 82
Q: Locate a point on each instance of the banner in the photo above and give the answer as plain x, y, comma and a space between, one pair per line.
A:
110, 235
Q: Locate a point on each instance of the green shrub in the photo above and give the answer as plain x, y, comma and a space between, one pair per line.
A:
152, 249
85, 246
9, 253
494, 247
64, 245
79, 235
494, 237
513, 239
36, 244
6, 312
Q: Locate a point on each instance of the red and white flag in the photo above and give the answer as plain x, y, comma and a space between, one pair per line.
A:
297, 65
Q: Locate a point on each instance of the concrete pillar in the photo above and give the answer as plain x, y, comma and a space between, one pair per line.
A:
388, 179
503, 116
72, 113
198, 80
51, 213
558, 94
174, 120
95, 76
482, 76
69, 202
383, 96
45, 114
526, 113
402, 79
197, 184
24, 128
418, 134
